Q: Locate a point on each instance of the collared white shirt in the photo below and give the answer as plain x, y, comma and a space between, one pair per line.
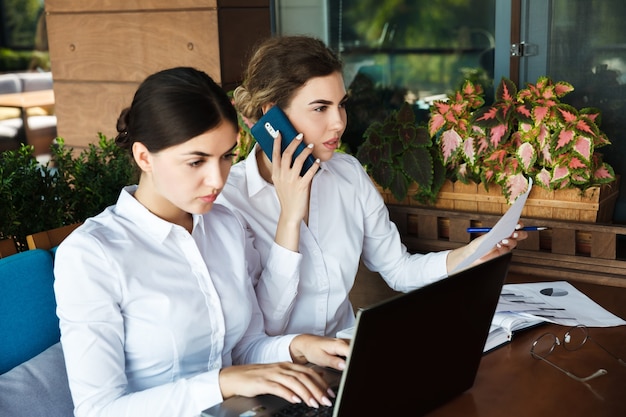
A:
150, 313
348, 220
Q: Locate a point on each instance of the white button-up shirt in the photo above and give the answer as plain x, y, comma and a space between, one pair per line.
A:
348, 220
150, 313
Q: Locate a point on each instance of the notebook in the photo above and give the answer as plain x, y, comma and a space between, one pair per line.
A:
409, 354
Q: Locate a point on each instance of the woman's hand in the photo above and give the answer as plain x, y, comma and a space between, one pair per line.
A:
324, 351
294, 382
293, 191
505, 245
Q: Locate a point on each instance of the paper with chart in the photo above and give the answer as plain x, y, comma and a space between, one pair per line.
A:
556, 302
502, 230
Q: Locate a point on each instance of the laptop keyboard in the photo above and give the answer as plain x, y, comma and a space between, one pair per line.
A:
303, 410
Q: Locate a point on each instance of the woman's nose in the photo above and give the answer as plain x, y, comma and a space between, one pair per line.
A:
215, 177
339, 120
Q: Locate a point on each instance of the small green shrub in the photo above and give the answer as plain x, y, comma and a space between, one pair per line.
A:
12, 60
69, 189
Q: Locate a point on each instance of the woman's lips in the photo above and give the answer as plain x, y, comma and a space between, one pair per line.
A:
209, 198
331, 144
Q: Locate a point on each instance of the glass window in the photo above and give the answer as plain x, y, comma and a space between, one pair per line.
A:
409, 50
424, 46
587, 48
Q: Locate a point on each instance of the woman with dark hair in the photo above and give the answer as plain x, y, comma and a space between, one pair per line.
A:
157, 312
333, 216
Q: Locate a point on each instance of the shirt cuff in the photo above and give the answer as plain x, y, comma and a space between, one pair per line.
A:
283, 260
205, 389
437, 263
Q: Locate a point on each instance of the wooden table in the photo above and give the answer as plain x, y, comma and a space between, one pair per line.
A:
511, 383
28, 99
24, 101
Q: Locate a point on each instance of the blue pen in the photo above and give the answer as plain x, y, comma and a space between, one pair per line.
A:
486, 229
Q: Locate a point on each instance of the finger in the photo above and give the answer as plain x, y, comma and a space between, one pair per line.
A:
310, 173
305, 384
289, 151
276, 150
317, 388
298, 161
293, 144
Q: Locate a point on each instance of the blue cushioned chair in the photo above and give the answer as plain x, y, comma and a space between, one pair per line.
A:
33, 379
28, 321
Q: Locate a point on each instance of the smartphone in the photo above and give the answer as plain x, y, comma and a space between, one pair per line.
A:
266, 130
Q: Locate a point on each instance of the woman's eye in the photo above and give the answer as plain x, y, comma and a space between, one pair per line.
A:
194, 164
321, 108
230, 156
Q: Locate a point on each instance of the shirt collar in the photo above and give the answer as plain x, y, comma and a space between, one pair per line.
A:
254, 180
127, 206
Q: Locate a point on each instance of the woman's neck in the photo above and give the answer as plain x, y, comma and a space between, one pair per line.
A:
163, 208
265, 166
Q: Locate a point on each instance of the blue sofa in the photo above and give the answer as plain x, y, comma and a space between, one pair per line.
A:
33, 380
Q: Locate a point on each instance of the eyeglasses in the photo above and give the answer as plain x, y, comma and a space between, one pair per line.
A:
573, 339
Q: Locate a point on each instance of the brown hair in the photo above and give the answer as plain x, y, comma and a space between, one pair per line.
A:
279, 67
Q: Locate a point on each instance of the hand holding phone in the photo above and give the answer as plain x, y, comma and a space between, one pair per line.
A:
266, 130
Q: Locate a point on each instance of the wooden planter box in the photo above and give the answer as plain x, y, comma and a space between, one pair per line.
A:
595, 205
584, 251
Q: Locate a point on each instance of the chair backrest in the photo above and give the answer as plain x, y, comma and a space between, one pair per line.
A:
50, 238
35, 81
7, 247
10, 83
28, 320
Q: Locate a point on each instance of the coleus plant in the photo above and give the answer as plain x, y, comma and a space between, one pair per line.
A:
397, 153
524, 134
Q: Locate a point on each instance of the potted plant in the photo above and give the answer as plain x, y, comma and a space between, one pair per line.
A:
524, 134
74, 186
397, 153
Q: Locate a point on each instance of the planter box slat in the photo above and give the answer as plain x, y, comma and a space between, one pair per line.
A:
596, 204
581, 251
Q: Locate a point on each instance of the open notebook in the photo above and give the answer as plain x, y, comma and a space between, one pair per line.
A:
409, 354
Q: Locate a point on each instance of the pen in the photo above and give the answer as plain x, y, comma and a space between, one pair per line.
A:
486, 229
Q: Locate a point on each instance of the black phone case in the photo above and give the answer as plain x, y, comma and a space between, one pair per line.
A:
265, 130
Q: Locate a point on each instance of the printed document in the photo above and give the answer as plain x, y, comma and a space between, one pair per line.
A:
502, 230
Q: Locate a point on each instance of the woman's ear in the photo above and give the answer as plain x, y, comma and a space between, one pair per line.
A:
142, 156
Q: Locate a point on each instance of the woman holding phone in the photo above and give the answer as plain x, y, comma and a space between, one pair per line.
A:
333, 216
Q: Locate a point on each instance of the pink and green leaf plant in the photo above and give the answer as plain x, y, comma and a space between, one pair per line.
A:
523, 134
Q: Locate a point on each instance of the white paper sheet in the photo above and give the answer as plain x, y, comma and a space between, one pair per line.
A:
502, 230
556, 302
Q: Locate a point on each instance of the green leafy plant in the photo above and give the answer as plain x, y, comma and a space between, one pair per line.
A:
397, 152
72, 187
524, 134
95, 176
32, 198
368, 103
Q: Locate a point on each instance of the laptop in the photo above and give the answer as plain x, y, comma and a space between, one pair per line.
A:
409, 354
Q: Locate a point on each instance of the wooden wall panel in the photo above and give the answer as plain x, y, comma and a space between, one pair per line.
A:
84, 109
72, 6
129, 46
100, 50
